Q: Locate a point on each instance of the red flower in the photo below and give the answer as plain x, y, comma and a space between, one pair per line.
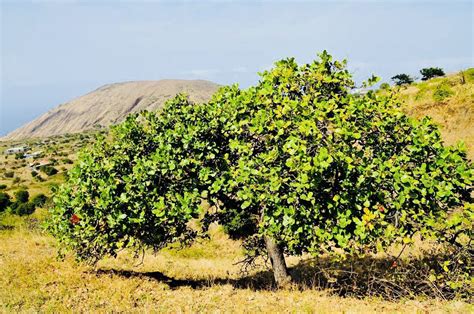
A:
394, 264
381, 208
74, 219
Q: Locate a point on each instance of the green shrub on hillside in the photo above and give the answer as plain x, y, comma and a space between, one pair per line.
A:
442, 92
49, 170
9, 174
39, 200
22, 196
5, 201
23, 209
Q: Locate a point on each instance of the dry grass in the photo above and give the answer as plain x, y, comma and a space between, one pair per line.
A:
453, 110
192, 280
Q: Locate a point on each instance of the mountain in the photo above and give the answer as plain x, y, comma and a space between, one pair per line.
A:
110, 104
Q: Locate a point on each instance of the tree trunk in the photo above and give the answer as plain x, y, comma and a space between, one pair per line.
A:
280, 272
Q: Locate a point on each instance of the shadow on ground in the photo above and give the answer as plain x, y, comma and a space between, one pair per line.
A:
355, 277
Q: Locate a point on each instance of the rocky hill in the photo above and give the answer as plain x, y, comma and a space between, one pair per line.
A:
110, 104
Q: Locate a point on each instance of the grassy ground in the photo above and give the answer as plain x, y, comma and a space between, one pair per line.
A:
204, 277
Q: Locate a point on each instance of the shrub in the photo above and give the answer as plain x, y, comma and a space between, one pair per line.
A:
442, 92
4, 201
39, 200
34, 173
9, 174
384, 86
428, 73
67, 161
49, 170
3, 186
22, 196
23, 209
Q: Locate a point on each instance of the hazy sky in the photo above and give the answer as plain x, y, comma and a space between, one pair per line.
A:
53, 51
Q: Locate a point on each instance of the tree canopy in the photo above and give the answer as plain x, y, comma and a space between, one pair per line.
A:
428, 73
402, 79
295, 164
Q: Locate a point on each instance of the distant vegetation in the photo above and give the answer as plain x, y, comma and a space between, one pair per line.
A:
402, 79
429, 73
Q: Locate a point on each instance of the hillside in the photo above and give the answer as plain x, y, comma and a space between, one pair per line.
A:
110, 104
449, 101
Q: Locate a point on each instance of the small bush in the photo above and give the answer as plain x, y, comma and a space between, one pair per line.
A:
67, 161
34, 173
442, 92
19, 156
23, 209
49, 170
384, 86
22, 196
9, 174
3, 186
5, 201
39, 200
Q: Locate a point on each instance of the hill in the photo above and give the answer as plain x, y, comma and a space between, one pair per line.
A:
449, 101
110, 104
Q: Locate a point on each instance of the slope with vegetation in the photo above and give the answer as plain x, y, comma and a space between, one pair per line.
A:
449, 101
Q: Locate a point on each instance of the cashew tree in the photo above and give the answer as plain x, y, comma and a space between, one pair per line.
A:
295, 164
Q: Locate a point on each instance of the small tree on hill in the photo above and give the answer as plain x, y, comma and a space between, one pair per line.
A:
402, 79
429, 73
296, 164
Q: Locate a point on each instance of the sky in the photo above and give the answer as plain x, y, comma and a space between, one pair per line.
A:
54, 51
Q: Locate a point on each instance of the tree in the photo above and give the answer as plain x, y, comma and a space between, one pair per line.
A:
296, 164
402, 79
429, 73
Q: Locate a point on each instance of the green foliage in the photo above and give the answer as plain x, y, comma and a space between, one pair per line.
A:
19, 156
384, 86
4, 201
49, 170
429, 73
22, 196
39, 200
34, 173
67, 161
3, 186
442, 92
296, 157
23, 209
402, 79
